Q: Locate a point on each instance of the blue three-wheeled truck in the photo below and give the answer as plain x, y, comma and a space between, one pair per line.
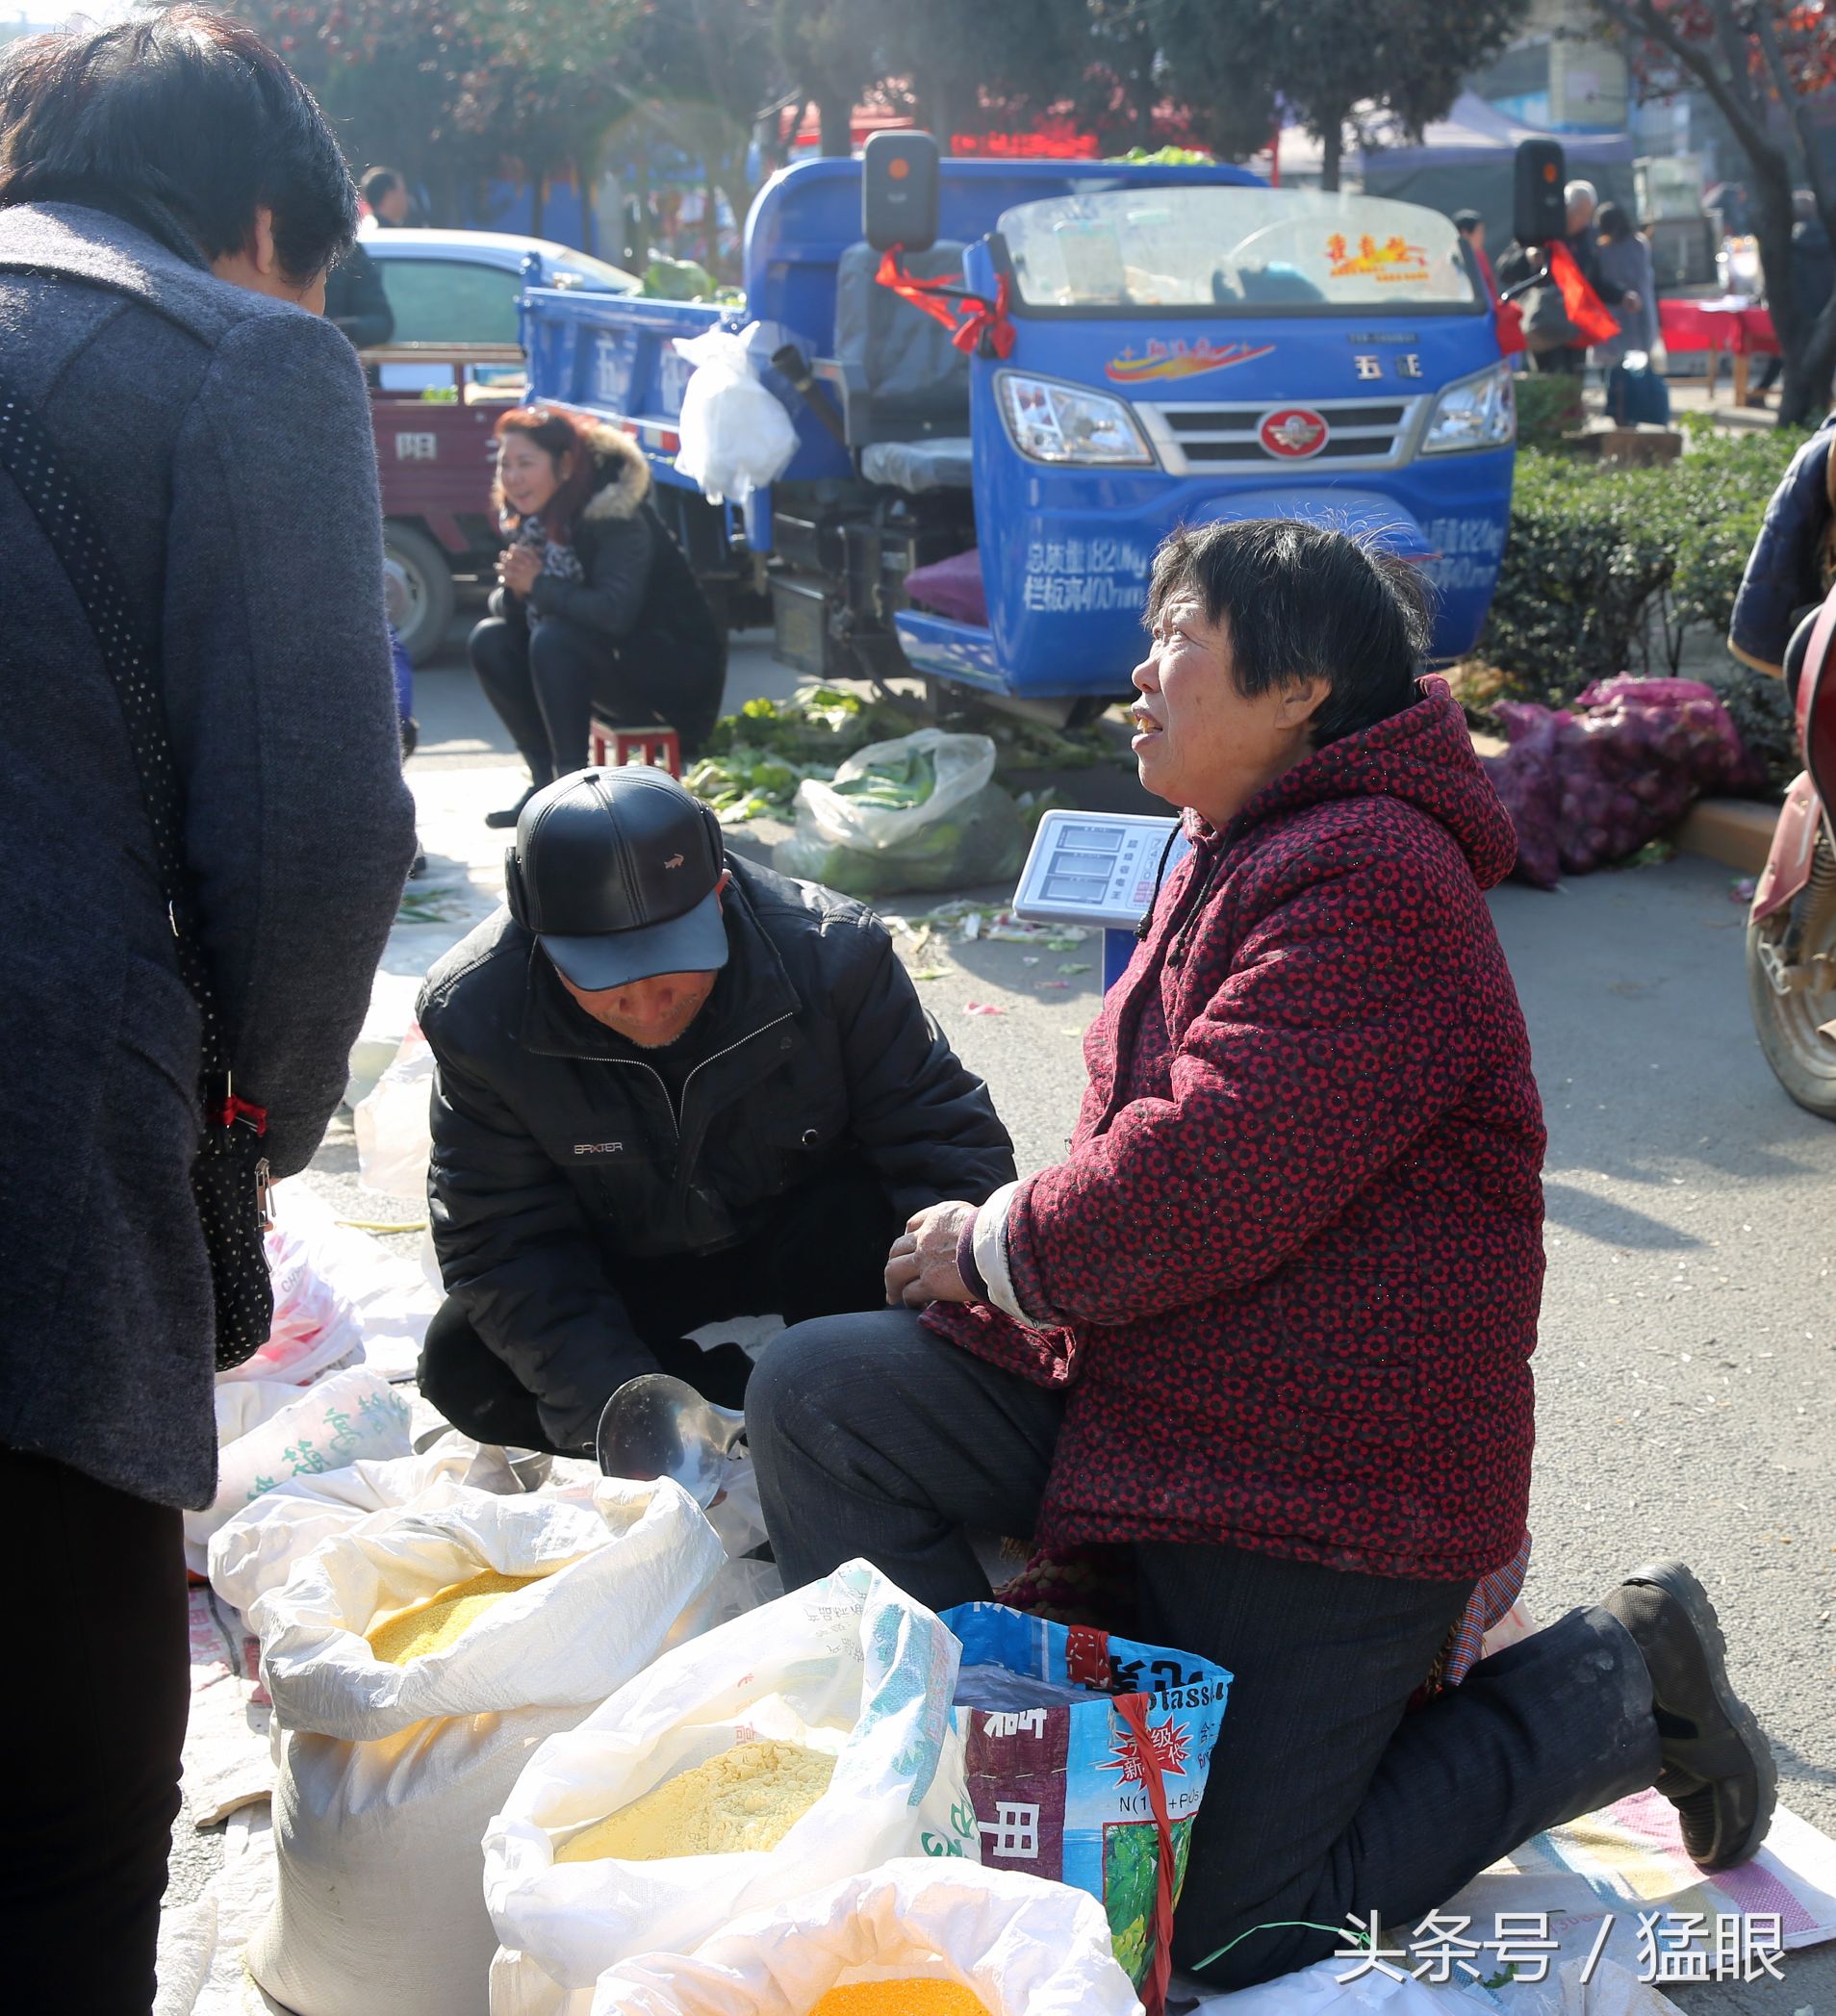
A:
1136, 348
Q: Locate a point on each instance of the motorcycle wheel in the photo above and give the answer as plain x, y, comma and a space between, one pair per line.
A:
1790, 986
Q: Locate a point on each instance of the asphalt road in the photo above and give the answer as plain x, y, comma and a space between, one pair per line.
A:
1687, 1372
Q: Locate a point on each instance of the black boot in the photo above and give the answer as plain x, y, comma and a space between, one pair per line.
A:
1718, 1769
510, 814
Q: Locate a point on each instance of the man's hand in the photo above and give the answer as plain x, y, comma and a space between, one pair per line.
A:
519, 569
1632, 300
922, 1267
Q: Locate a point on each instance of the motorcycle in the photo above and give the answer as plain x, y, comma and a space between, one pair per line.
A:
1791, 928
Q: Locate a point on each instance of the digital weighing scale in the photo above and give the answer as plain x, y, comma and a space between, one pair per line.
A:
1097, 868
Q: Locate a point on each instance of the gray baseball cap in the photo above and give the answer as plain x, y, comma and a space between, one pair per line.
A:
618, 873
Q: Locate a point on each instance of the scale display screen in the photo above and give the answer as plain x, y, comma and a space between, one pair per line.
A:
1094, 868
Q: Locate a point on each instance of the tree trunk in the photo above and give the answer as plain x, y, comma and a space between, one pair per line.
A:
1332, 152
589, 221
537, 197
1804, 396
639, 246
837, 119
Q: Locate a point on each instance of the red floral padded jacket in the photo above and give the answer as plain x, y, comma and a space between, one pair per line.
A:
1289, 1275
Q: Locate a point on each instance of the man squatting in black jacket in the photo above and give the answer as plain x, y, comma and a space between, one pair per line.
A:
670, 1090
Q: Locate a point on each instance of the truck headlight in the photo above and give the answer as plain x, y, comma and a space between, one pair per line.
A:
1480, 412
1050, 421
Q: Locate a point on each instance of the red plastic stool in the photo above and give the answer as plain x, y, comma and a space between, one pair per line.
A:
658, 746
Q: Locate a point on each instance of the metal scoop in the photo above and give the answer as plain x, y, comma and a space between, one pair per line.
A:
655, 1426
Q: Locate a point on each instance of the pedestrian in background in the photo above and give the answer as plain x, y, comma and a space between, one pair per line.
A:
1813, 278
170, 201
386, 204
1472, 227
1623, 256
596, 608
355, 301
1635, 392
1543, 309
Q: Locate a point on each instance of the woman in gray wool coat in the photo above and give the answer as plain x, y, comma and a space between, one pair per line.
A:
170, 200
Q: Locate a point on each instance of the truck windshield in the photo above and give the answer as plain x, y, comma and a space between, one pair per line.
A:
1234, 251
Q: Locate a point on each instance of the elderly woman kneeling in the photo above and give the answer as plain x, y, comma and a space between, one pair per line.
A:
1264, 1337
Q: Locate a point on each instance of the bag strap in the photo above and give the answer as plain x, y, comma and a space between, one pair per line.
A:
30, 456
1133, 1708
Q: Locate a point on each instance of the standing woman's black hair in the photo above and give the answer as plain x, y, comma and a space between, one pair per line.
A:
185, 123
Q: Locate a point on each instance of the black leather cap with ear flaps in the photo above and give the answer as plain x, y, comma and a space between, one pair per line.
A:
618, 873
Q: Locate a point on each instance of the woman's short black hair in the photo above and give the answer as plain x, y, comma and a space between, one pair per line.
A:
1611, 223
1300, 602
184, 117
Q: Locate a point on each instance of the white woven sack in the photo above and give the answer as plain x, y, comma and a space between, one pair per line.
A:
850, 1665
389, 1773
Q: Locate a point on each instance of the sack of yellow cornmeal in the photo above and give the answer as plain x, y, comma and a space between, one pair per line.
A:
917, 1936
746, 1798
436, 1621
415, 1667
903, 1995
713, 1810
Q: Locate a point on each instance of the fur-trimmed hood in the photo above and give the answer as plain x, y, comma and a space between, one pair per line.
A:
621, 479
624, 479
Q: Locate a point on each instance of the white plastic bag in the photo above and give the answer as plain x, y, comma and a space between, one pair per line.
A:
736, 437
1026, 1947
392, 1123
389, 1774
269, 1431
921, 811
255, 1550
848, 1665
963, 764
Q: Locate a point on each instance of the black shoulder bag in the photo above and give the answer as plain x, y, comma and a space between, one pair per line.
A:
229, 1178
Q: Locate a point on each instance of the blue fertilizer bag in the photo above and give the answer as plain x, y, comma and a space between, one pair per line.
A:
1087, 1756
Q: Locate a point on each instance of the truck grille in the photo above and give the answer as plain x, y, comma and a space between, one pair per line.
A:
1362, 434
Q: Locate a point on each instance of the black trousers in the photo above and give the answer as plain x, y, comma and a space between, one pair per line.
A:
873, 1437
546, 684
94, 1702
822, 1251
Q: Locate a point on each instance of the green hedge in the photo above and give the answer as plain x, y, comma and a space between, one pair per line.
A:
1609, 569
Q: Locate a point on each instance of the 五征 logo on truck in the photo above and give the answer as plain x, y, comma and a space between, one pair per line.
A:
1292, 432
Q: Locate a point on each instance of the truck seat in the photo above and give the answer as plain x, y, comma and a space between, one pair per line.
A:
945, 462
895, 371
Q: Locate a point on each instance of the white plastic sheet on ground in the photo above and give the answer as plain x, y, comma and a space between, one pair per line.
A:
389, 1774
316, 1329
736, 437
387, 1291
393, 1126
848, 1665
269, 1432
1026, 1947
